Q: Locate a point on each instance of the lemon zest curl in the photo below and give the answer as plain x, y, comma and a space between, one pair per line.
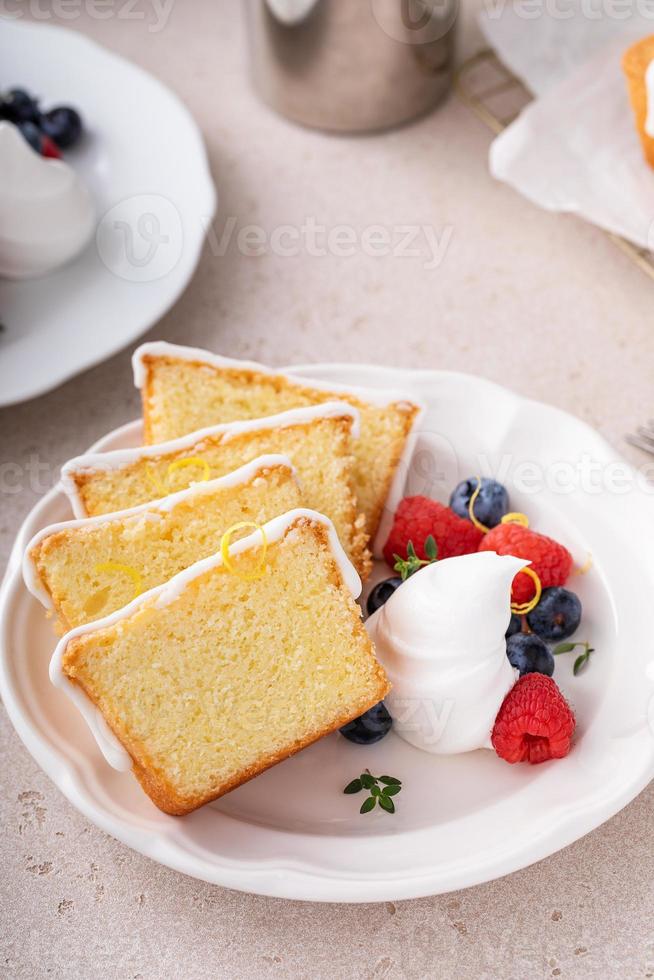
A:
163, 486
523, 608
227, 560
516, 517
471, 512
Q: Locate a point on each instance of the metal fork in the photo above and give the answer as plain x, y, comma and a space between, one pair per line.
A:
643, 437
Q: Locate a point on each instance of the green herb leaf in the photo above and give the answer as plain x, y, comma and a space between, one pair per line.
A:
383, 794
368, 804
386, 804
407, 566
563, 648
582, 659
431, 548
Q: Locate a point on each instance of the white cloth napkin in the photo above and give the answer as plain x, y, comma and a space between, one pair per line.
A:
575, 147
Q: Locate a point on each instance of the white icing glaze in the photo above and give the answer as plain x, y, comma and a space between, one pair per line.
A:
119, 458
649, 89
380, 397
163, 595
244, 474
161, 348
441, 639
46, 212
396, 489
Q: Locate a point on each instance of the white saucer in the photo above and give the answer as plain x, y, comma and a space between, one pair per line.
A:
147, 170
460, 820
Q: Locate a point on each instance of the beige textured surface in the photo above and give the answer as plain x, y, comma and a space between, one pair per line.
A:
538, 302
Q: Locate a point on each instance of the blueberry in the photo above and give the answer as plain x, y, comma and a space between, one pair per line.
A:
528, 654
18, 106
515, 626
491, 503
557, 615
382, 593
32, 134
63, 125
370, 727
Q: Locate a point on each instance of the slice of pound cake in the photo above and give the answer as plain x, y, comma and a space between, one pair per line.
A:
184, 388
235, 664
88, 568
318, 441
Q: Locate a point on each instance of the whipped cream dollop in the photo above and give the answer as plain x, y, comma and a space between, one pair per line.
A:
441, 640
46, 212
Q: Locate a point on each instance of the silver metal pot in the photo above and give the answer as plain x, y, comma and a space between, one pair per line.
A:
352, 65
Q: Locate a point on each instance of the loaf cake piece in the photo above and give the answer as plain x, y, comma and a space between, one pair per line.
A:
638, 66
235, 664
318, 441
184, 388
86, 569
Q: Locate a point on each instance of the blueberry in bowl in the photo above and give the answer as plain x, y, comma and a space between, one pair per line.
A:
529, 655
557, 615
515, 626
370, 727
63, 125
18, 106
381, 593
489, 506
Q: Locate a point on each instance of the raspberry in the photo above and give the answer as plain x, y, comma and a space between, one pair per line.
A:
549, 559
535, 722
49, 148
418, 517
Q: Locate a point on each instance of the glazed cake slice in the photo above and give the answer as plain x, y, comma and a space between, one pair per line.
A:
318, 441
230, 667
88, 568
184, 388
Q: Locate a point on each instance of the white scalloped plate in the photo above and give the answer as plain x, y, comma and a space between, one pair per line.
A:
149, 177
460, 820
